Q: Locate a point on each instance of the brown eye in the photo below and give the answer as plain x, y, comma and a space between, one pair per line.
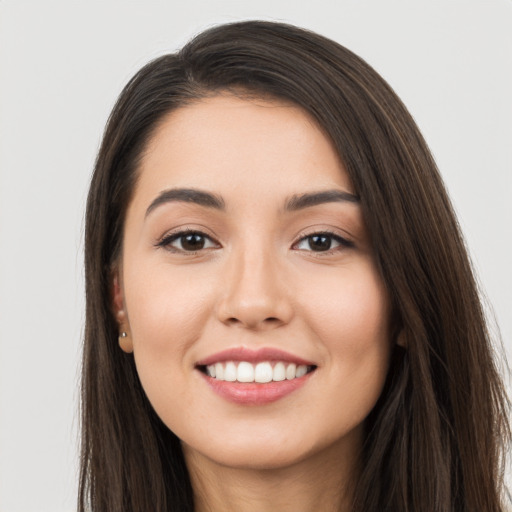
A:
322, 242
192, 242
319, 242
189, 241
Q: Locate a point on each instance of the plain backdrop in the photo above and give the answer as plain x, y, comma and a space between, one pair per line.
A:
62, 65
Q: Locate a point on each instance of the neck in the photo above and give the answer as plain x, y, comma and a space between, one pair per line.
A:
320, 482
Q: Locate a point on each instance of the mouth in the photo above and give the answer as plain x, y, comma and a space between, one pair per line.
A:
255, 377
262, 372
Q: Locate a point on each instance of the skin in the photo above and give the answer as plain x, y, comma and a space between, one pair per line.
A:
257, 283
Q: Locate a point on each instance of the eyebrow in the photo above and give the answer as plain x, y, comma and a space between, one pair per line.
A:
209, 200
301, 201
187, 195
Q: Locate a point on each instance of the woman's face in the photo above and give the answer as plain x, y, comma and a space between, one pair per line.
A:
245, 256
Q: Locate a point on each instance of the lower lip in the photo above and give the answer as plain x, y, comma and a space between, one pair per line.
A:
253, 393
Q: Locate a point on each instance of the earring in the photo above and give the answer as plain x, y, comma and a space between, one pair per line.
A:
123, 335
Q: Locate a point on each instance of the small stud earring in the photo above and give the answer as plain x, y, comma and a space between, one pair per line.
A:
123, 335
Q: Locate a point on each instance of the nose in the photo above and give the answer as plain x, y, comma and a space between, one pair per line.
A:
254, 293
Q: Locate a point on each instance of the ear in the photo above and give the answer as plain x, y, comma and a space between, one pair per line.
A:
125, 339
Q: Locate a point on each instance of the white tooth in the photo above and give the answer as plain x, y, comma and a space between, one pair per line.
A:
230, 372
279, 372
263, 372
245, 372
210, 370
290, 371
301, 370
219, 371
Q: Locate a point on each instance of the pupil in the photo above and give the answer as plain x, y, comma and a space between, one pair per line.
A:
320, 242
192, 242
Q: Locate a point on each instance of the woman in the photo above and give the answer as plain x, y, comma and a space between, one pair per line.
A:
281, 314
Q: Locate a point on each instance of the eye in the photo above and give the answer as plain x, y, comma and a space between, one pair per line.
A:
187, 241
322, 242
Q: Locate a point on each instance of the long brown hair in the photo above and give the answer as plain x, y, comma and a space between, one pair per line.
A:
435, 440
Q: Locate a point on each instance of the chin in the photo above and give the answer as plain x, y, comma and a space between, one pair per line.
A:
272, 450
254, 457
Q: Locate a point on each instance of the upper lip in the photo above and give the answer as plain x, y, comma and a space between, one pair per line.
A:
253, 356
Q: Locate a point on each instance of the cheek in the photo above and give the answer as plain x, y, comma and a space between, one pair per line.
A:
167, 312
350, 308
164, 306
350, 317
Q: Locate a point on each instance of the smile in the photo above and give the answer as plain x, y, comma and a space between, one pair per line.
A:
262, 372
255, 377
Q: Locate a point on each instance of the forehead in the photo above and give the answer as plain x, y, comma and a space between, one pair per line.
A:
227, 143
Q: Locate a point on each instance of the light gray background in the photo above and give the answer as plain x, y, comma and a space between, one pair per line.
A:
62, 64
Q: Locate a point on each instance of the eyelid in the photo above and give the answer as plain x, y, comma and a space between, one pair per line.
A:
343, 241
170, 236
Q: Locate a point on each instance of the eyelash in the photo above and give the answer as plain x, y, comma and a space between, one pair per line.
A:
167, 240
